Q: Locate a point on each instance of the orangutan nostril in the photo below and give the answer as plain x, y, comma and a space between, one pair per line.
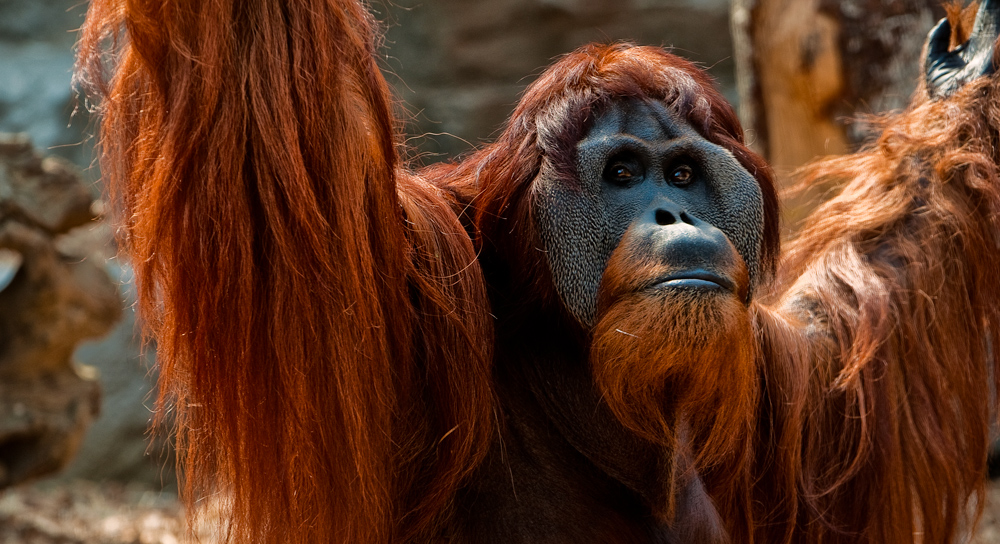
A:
663, 217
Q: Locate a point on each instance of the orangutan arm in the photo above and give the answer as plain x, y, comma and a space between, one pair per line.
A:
304, 292
877, 349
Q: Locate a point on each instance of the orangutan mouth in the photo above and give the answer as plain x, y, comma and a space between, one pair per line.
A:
696, 279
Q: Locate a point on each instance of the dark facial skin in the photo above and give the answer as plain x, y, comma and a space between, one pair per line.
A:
646, 174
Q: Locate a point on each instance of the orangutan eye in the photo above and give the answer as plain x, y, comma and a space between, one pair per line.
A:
622, 172
681, 175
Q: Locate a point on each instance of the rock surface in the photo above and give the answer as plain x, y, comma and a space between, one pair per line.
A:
118, 445
51, 297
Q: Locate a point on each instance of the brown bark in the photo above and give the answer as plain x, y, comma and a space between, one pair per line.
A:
807, 69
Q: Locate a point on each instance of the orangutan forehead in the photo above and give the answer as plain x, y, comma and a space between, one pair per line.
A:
645, 119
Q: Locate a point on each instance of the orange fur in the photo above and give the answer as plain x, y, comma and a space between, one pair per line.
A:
324, 331
320, 319
962, 19
877, 346
667, 363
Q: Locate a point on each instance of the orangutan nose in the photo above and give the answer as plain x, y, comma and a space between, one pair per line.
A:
666, 217
680, 236
690, 252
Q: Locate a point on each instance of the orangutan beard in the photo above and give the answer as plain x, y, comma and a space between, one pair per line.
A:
677, 366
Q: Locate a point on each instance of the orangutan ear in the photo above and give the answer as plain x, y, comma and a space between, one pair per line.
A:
947, 70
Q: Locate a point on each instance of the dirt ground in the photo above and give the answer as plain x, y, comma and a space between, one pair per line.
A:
88, 513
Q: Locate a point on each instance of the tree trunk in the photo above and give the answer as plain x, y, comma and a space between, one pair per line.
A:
806, 69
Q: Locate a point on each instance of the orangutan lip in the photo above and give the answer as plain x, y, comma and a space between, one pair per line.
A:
697, 279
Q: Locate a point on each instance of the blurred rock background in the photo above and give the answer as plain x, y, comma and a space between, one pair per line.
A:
54, 292
36, 43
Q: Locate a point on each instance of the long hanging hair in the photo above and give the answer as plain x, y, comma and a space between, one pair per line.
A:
320, 318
